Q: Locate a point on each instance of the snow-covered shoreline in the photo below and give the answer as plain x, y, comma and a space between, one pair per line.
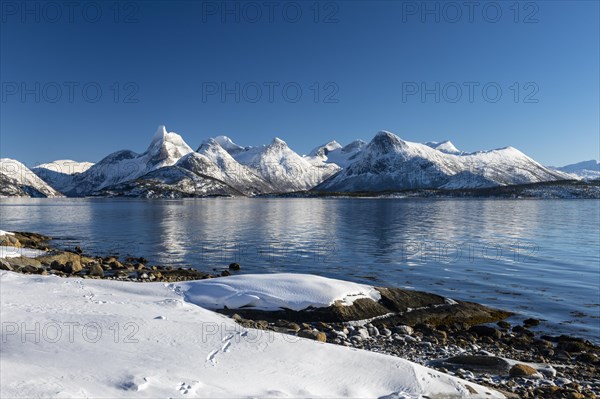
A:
99, 338
56, 305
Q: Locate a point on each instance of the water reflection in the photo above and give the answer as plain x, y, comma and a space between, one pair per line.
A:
540, 256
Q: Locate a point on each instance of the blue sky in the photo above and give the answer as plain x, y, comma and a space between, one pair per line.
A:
423, 70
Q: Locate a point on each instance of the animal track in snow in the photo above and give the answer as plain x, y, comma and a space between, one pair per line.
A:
185, 389
211, 356
226, 346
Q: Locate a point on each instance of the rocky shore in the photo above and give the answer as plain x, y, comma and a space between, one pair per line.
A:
76, 263
465, 339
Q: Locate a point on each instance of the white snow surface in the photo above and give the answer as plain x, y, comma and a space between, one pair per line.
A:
66, 166
14, 252
219, 164
283, 168
274, 291
587, 170
334, 153
228, 144
445, 146
59, 174
390, 163
75, 338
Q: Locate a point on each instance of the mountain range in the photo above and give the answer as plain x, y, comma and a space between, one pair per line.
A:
219, 167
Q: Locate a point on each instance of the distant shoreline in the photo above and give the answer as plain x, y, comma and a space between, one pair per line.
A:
568, 189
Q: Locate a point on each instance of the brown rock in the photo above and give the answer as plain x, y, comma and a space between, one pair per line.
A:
311, 334
116, 265
96, 270
62, 257
10, 240
72, 267
32, 240
471, 389
4, 265
486, 331
22, 262
522, 370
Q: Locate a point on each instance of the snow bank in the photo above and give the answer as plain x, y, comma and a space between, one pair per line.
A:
14, 252
273, 291
98, 338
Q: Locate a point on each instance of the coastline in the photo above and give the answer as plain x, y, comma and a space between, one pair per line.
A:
426, 330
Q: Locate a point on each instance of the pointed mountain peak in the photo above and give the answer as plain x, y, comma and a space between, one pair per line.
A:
277, 142
325, 149
385, 141
332, 145
445, 146
161, 133
167, 146
227, 144
208, 143
385, 133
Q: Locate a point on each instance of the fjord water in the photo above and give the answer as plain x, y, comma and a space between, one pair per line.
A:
539, 258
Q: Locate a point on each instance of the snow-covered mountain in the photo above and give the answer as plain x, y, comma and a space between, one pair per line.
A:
390, 163
333, 152
228, 145
170, 168
17, 180
165, 149
444, 146
587, 170
284, 169
60, 174
170, 182
212, 160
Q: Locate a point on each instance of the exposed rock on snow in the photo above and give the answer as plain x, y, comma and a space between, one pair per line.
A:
170, 182
304, 298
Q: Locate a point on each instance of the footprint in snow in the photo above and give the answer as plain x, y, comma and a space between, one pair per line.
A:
227, 338
188, 389
211, 356
225, 347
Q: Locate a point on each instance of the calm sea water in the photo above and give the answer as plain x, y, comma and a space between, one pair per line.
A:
539, 258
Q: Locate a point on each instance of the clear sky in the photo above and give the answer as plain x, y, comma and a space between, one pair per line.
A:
79, 82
